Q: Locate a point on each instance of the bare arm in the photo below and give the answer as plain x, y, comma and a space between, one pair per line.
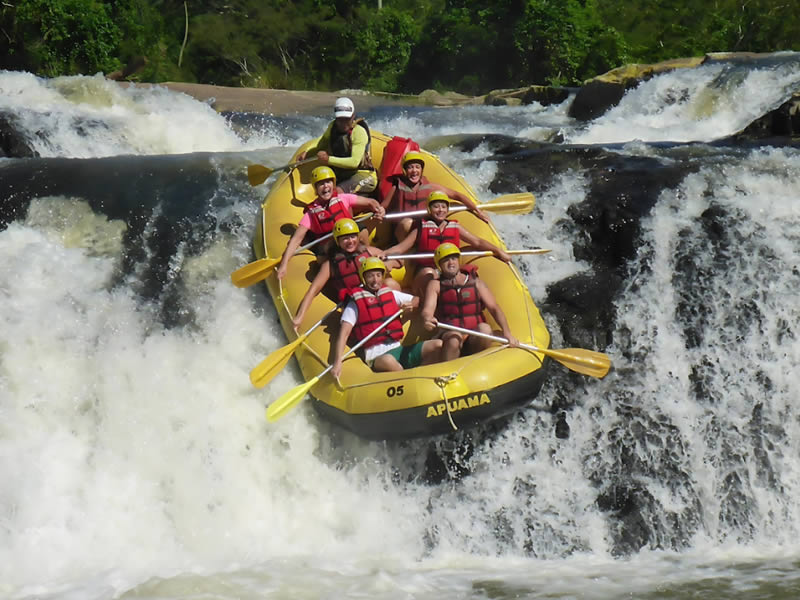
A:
405, 245
362, 204
491, 305
314, 289
291, 248
466, 201
429, 304
390, 264
387, 199
341, 341
482, 244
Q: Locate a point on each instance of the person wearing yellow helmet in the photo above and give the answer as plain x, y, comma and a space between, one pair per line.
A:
345, 147
326, 209
370, 305
412, 188
459, 297
340, 268
428, 232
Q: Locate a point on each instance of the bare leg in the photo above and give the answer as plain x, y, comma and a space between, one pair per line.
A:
451, 345
476, 344
386, 362
431, 352
363, 236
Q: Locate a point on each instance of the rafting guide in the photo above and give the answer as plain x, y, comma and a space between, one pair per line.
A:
345, 147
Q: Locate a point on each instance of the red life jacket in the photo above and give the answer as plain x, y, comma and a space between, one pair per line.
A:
323, 216
411, 198
374, 309
344, 268
430, 236
393, 153
460, 306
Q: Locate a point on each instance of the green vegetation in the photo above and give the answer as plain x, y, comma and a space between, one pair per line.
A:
470, 46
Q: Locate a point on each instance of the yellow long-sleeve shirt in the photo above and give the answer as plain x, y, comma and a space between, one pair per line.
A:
359, 139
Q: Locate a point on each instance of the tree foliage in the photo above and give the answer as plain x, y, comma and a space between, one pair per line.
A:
470, 46
67, 35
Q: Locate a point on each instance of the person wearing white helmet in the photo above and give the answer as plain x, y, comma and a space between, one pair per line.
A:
345, 147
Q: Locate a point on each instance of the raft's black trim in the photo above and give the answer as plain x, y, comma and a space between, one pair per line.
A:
414, 422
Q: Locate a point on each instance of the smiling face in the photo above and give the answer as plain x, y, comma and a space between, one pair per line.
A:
373, 280
348, 242
413, 170
449, 266
438, 210
325, 189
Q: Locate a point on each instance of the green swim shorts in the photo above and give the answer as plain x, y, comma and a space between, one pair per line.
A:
408, 356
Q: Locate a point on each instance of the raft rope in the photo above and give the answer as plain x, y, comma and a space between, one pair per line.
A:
442, 381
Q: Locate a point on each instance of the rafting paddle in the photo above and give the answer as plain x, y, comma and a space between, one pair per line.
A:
260, 269
286, 402
258, 174
587, 362
467, 253
266, 370
511, 204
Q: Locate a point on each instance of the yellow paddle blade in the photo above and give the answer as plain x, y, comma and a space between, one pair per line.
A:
580, 360
266, 370
257, 174
254, 272
511, 204
288, 401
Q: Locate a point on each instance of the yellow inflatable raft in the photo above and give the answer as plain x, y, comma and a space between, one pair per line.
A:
428, 400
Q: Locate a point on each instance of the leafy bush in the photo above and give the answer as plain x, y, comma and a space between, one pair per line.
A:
470, 46
67, 36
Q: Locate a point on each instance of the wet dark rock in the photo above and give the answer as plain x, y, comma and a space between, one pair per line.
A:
12, 143
605, 91
606, 227
639, 448
583, 305
595, 98
547, 95
561, 426
784, 121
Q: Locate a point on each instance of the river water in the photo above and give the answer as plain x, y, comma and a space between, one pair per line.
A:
136, 461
